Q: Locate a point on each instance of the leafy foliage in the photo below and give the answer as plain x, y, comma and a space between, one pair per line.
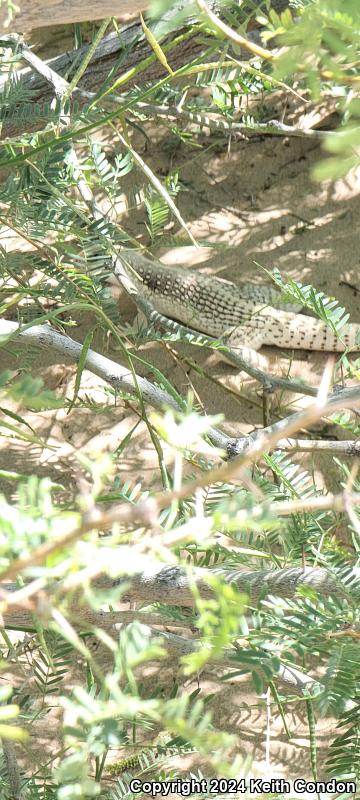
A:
323, 47
326, 308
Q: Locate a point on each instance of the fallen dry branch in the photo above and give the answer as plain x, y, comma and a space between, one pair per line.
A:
172, 585
249, 447
175, 646
120, 378
40, 13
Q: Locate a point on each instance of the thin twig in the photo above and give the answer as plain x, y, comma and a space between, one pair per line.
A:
57, 81
347, 447
272, 127
121, 379
244, 452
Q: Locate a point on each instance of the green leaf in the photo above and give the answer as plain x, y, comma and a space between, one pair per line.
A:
81, 366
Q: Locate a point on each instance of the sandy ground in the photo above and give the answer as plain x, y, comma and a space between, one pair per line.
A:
256, 203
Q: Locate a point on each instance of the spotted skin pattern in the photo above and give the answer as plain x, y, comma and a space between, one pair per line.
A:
244, 315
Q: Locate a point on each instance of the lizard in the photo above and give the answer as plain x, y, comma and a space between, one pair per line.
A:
246, 317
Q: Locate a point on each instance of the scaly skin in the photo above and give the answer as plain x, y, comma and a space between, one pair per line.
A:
245, 315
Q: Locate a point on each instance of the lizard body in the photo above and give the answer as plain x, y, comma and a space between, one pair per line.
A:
245, 315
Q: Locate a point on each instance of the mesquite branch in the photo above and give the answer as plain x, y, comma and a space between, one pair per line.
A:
172, 585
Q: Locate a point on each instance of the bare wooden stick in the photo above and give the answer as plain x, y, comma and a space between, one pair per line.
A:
175, 646
121, 378
145, 515
41, 13
345, 447
171, 584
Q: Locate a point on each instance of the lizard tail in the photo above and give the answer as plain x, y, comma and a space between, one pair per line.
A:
301, 332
